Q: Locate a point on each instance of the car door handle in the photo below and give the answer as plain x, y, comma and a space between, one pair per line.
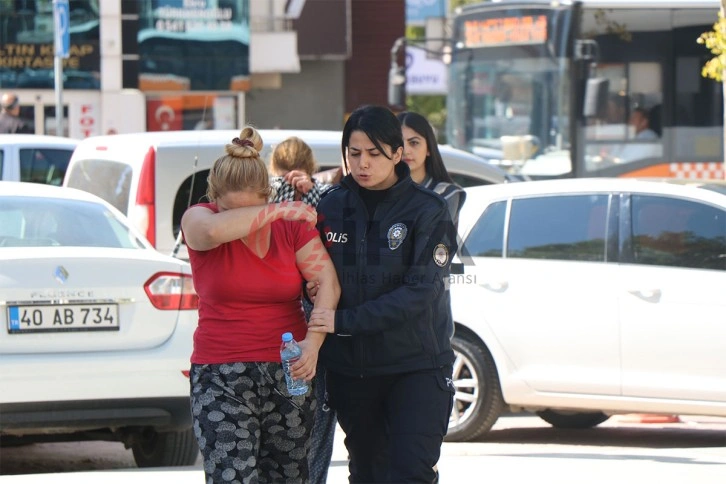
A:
495, 286
650, 295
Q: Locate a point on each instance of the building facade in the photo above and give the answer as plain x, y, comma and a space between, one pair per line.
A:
151, 65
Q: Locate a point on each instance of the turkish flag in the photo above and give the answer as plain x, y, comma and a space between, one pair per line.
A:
164, 114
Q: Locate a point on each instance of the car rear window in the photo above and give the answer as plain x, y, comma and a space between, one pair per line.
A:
108, 180
49, 222
44, 165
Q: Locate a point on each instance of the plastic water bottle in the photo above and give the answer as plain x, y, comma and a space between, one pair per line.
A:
290, 352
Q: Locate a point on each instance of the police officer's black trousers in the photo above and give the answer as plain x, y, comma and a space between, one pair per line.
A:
394, 424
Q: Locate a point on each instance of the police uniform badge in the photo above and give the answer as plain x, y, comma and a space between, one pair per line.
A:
441, 255
396, 235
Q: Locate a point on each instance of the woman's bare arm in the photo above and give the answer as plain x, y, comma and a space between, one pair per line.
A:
314, 264
205, 229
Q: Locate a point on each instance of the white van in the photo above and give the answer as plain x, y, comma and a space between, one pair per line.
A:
35, 158
153, 177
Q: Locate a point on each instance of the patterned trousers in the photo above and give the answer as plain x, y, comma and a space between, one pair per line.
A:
249, 429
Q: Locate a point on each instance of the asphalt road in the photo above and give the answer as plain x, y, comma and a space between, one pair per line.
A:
518, 449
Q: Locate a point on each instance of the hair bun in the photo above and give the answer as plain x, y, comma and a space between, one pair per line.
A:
243, 142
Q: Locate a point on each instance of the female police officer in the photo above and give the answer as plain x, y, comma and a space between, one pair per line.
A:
389, 355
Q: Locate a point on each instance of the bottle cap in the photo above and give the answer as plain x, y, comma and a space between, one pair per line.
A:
286, 337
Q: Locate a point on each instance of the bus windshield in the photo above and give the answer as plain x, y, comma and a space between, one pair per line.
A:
512, 110
509, 96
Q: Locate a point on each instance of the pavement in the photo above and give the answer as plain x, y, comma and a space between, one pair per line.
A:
524, 450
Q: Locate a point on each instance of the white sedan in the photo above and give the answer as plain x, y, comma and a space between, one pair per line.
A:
96, 328
583, 298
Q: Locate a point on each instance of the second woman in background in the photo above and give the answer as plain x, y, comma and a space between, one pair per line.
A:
421, 154
292, 165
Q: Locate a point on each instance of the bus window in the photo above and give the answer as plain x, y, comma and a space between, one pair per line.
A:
630, 133
630, 130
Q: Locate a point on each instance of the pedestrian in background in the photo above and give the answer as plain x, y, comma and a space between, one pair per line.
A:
249, 259
292, 165
10, 120
388, 353
421, 154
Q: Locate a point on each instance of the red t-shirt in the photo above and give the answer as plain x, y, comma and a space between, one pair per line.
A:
247, 302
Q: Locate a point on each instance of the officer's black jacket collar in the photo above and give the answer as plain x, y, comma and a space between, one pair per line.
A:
402, 184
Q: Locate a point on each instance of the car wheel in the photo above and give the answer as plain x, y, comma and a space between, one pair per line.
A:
478, 399
164, 449
572, 420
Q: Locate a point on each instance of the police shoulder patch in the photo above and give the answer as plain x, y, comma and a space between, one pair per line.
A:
441, 255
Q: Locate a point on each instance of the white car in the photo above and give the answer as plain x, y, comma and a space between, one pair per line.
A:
35, 158
96, 328
584, 298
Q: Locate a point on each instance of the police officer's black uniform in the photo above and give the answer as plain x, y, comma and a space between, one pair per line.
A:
389, 359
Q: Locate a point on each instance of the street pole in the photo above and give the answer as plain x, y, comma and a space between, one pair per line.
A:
62, 40
59, 95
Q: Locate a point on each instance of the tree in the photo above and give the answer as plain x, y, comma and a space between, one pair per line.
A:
715, 41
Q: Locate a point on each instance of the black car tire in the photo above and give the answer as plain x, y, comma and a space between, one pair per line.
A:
470, 420
574, 420
165, 449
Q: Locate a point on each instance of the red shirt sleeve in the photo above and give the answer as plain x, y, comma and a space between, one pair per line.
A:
302, 234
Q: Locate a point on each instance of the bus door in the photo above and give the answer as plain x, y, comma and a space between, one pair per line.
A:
661, 119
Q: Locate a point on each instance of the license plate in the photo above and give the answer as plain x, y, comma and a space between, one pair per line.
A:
66, 317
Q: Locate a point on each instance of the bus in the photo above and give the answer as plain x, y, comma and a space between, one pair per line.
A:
587, 88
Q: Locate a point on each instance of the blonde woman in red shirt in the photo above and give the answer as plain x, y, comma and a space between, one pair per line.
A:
249, 259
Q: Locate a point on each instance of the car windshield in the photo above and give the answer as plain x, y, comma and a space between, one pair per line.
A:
49, 222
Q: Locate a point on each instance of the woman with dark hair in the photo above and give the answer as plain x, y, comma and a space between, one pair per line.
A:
388, 353
421, 154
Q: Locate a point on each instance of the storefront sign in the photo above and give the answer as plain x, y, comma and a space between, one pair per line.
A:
190, 16
27, 50
84, 118
424, 75
193, 45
